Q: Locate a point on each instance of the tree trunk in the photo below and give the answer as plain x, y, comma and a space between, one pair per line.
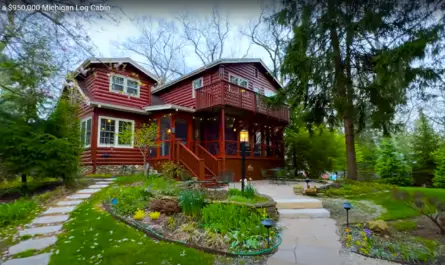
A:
350, 149
24, 178
145, 166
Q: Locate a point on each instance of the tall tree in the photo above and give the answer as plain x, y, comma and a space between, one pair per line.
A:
425, 142
161, 45
391, 165
351, 62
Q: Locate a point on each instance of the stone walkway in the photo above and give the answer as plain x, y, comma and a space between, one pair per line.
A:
44, 229
308, 238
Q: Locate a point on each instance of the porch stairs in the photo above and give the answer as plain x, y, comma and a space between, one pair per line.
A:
201, 163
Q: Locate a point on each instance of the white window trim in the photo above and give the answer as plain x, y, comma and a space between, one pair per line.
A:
194, 88
239, 77
85, 120
125, 85
116, 132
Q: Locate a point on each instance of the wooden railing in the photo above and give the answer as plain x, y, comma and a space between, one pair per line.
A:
210, 161
192, 162
225, 93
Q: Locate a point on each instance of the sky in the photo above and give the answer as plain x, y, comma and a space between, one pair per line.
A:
105, 35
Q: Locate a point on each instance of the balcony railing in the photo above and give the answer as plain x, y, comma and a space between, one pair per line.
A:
225, 93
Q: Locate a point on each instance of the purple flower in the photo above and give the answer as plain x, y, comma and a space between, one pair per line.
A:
368, 232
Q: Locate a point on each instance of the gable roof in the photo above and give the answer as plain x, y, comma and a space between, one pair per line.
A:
213, 64
118, 60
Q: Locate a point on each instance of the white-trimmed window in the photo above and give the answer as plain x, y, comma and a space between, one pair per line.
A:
197, 83
124, 85
242, 82
109, 130
269, 93
85, 132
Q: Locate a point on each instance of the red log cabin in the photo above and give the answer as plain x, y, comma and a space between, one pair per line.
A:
199, 116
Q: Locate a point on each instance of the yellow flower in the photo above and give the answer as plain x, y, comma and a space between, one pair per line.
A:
349, 237
348, 245
357, 243
364, 251
348, 230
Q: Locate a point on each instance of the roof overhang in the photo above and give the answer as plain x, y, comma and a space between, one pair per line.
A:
167, 107
95, 60
117, 107
213, 64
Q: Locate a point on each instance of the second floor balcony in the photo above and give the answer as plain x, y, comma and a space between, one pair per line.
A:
225, 93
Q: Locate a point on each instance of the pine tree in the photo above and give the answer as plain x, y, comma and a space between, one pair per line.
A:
439, 173
391, 166
350, 62
424, 144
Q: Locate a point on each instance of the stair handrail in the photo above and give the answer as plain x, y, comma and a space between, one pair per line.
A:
191, 161
210, 160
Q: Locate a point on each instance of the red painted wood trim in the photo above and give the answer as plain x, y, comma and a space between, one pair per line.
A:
223, 138
94, 136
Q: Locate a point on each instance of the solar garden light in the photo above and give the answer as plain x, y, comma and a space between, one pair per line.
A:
347, 206
268, 223
307, 180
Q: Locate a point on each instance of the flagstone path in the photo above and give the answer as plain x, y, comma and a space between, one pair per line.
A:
44, 229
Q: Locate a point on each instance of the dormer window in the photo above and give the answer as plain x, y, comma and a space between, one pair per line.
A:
124, 85
196, 84
238, 81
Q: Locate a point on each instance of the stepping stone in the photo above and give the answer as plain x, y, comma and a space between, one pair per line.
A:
88, 191
78, 196
42, 259
104, 182
40, 243
97, 186
50, 219
304, 213
66, 209
297, 203
67, 203
40, 230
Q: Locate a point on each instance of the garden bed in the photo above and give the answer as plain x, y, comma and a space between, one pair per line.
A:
218, 222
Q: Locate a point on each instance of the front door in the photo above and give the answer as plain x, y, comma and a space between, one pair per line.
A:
181, 130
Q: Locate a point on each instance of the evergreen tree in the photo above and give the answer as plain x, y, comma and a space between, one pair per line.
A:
439, 172
351, 62
424, 144
391, 166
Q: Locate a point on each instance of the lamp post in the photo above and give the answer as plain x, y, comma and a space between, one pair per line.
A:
347, 206
244, 138
268, 223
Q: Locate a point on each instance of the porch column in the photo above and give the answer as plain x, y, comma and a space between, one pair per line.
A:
222, 138
172, 137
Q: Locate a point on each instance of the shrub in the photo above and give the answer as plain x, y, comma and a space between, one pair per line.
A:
249, 192
173, 170
165, 206
191, 202
235, 192
16, 210
154, 215
129, 199
162, 185
355, 188
223, 218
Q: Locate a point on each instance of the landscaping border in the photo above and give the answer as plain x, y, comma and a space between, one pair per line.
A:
155, 235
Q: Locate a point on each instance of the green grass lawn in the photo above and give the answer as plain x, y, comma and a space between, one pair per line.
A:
94, 237
397, 209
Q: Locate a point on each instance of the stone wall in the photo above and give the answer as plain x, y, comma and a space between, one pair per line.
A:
85, 170
119, 169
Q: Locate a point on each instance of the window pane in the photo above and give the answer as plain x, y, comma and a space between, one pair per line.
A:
132, 87
123, 126
88, 132
242, 83
233, 79
107, 127
165, 127
82, 133
197, 83
117, 83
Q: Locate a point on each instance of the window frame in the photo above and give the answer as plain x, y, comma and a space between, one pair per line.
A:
239, 77
85, 134
116, 132
125, 85
194, 88
267, 89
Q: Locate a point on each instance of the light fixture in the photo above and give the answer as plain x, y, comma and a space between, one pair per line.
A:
169, 131
347, 206
234, 129
244, 136
268, 223
109, 121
